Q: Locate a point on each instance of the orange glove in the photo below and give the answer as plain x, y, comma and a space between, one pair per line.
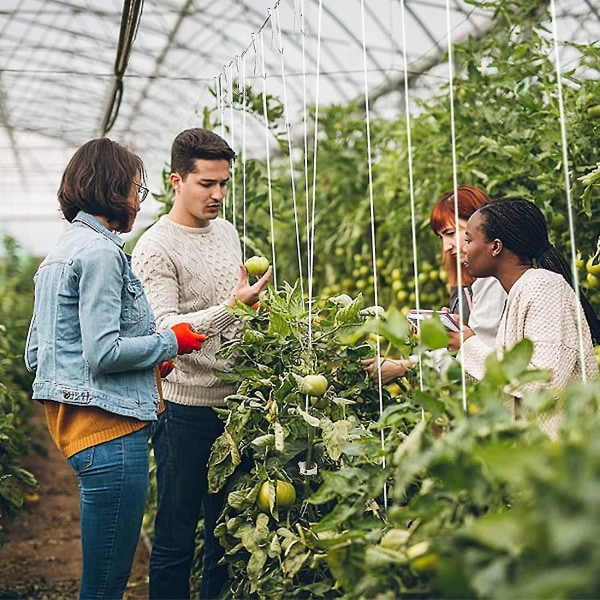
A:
165, 368
188, 340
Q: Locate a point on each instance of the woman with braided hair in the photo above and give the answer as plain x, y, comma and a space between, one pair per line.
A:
508, 239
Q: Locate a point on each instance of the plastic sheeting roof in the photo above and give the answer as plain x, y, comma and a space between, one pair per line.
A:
57, 74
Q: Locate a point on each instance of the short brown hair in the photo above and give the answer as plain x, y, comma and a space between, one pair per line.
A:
98, 180
192, 144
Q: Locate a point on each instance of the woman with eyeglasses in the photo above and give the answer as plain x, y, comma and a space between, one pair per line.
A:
94, 350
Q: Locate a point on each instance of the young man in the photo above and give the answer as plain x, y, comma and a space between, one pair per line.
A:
190, 263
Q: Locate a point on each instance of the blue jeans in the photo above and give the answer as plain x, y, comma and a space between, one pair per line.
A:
182, 444
113, 483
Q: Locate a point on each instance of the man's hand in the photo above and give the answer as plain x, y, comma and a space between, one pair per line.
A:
246, 293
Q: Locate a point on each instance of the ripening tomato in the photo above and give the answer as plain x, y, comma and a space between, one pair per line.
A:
285, 495
558, 222
591, 266
256, 265
592, 281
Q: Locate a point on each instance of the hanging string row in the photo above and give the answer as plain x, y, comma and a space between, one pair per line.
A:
565, 162
268, 154
289, 143
232, 134
373, 237
411, 185
459, 282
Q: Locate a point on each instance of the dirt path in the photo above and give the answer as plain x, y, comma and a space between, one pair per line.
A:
41, 554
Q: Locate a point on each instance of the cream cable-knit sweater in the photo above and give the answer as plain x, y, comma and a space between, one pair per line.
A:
189, 274
542, 307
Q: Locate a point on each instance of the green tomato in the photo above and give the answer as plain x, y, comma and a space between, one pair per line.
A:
256, 265
313, 385
558, 222
594, 111
285, 495
319, 402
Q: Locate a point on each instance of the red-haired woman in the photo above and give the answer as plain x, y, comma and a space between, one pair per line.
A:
482, 299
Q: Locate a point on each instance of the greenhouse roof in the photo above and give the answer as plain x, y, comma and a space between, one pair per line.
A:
70, 71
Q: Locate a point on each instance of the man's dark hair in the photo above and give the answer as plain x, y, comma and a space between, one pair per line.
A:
192, 144
98, 180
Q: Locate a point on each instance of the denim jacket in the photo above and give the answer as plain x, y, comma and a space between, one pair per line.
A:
92, 339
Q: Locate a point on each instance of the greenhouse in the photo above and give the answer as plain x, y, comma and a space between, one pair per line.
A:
404, 388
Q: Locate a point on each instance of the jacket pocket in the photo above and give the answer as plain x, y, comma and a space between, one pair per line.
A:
133, 301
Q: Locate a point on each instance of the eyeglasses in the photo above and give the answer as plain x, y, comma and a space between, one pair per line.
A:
142, 191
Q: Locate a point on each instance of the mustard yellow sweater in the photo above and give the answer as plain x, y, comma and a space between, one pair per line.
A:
75, 428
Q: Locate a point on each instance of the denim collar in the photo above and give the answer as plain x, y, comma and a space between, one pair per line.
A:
93, 223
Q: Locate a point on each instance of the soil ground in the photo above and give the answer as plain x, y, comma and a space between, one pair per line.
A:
40, 556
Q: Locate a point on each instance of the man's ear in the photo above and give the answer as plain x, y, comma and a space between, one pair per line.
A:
496, 247
175, 181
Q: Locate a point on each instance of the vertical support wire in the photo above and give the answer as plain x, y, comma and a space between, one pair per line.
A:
565, 161
311, 232
411, 184
244, 112
461, 309
290, 149
372, 218
305, 135
232, 137
221, 109
268, 156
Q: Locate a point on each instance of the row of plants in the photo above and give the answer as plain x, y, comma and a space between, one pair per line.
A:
16, 305
424, 490
428, 488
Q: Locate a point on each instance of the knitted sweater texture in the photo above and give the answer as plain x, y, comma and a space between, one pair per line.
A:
189, 274
542, 307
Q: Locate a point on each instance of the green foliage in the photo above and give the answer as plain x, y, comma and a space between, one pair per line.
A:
435, 493
16, 305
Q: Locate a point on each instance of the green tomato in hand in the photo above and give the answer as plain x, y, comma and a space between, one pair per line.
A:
313, 385
257, 265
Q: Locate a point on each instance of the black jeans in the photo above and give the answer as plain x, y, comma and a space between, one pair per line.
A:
182, 444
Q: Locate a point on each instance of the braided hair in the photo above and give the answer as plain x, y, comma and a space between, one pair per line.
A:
521, 226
